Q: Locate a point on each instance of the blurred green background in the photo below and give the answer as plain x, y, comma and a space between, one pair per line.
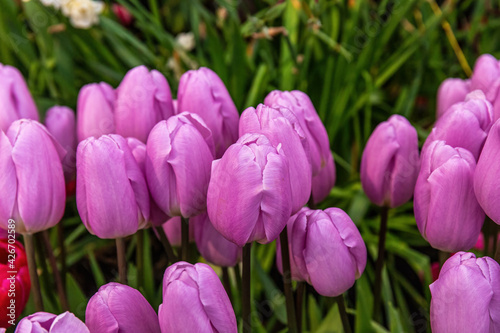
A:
360, 61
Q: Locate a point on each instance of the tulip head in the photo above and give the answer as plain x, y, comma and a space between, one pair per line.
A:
202, 92
281, 126
180, 151
43, 322
143, 99
390, 162
326, 250
466, 296
249, 196
486, 76
194, 300
111, 192
212, 245
451, 91
31, 177
95, 111
17, 102
446, 210
120, 308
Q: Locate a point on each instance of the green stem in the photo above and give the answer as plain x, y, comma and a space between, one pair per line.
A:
55, 271
227, 283
166, 245
301, 288
62, 254
185, 239
245, 290
122, 260
139, 258
237, 274
35, 284
379, 265
287, 282
343, 314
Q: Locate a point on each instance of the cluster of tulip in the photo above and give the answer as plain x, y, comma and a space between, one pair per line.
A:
454, 183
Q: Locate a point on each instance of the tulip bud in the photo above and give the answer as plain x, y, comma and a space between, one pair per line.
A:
451, 91
31, 177
486, 180
203, 92
111, 193
466, 296
323, 166
180, 151
390, 162
120, 308
122, 14
43, 322
486, 76
281, 126
15, 282
194, 300
95, 111
60, 122
143, 99
326, 250
446, 210
17, 102
212, 245
249, 196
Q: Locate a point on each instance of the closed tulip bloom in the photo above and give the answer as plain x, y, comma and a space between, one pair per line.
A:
143, 99
17, 102
111, 193
172, 228
486, 180
120, 308
390, 162
212, 245
486, 76
17, 279
31, 177
326, 250
203, 92
194, 300
281, 126
43, 322
95, 111
180, 151
466, 124
446, 210
60, 122
451, 91
249, 196
323, 166
466, 296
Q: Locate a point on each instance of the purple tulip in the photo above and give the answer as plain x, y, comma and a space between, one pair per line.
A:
172, 228
194, 300
466, 124
60, 122
111, 193
390, 162
143, 99
31, 177
486, 76
446, 210
323, 166
43, 322
212, 245
486, 180
17, 102
466, 296
451, 91
95, 111
249, 196
120, 308
180, 151
326, 250
203, 92
281, 126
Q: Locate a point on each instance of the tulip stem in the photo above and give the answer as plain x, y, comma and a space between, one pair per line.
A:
287, 282
379, 265
185, 239
55, 271
227, 283
166, 245
343, 314
301, 287
62, 253
245, 290
139, 258
35, 284
122, 260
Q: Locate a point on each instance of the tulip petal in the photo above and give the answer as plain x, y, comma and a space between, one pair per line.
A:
67, 322
95, 111
8, 181
98, 316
